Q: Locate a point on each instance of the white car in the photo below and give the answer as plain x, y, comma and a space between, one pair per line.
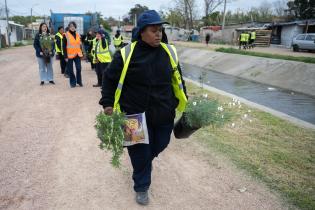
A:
304, 42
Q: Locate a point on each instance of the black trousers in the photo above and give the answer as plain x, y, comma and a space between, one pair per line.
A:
63, 63
100, 69
142, 155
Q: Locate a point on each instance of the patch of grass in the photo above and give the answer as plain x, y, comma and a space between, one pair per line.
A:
273, 150
266, 55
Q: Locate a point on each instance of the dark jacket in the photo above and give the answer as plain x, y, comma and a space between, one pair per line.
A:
147, 86
38, 49
58, 42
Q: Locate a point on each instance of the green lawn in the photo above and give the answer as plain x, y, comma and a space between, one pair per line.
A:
266, 55
273, 150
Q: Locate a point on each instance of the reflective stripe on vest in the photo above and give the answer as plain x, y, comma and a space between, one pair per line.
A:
58, 50
102, 55
73, 45
117, 41
177, 84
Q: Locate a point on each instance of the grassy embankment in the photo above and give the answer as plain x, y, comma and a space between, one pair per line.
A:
266, 55
275, 151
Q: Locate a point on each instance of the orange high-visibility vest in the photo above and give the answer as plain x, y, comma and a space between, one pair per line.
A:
73, 45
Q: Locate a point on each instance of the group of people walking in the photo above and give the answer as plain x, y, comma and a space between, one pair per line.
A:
68, 47
247, 40
142, 77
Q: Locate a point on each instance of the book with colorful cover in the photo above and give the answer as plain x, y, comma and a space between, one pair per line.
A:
136, 130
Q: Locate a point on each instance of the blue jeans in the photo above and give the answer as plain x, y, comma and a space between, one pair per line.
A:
142, 155
45, 70
72, 78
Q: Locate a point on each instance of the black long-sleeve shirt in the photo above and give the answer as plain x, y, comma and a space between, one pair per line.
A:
147, 86
58, 42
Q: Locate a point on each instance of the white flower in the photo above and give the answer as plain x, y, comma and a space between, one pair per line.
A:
239, 102
250, 121
222, 116
245, 115
234, 104
220, 108
249, 111
205, 95
233, 99
194, 103
233, 125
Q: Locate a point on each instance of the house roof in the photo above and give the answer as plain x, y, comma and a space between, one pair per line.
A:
15, 24
297, 22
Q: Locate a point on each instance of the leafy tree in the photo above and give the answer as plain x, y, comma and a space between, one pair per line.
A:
24, 20
303, 9
136, 11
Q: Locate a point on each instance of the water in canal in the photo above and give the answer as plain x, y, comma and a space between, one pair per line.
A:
292, 103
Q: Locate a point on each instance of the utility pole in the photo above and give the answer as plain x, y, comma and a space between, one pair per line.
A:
224, 13
32, 22
7, 15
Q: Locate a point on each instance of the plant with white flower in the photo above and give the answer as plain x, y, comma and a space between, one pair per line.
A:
205, 112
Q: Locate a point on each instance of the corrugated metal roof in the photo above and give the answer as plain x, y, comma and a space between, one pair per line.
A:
297, 22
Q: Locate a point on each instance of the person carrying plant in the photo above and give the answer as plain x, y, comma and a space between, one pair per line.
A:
102, 56
45, 50
145, 77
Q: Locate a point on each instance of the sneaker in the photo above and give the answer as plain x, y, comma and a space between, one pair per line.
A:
142, 198
52, 82
42, 83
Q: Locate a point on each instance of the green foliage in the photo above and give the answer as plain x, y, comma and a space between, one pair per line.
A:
136, 11
212, 19
24, 20
302, 9
110, 132
266, 55
18, 44
201, 112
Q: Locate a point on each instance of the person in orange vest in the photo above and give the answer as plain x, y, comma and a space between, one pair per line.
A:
72, 49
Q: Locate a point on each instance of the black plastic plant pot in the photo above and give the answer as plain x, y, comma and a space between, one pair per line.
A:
182, 130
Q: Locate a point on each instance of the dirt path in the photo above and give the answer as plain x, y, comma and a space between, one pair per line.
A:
50, 157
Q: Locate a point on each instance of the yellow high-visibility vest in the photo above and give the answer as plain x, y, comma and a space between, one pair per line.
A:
253, 35
246, 37
93, 51
177, 84
117, 41
243, 37
56, 46
102, 54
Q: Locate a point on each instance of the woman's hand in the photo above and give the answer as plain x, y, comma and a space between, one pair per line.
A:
108, 110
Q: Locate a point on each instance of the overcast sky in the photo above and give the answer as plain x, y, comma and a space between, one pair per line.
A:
114, 8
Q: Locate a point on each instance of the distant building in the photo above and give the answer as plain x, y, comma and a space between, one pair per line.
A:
16, 32
284, 32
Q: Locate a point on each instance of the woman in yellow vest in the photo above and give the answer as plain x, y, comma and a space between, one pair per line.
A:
145, 77
118, 40
101, 55
72, 49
